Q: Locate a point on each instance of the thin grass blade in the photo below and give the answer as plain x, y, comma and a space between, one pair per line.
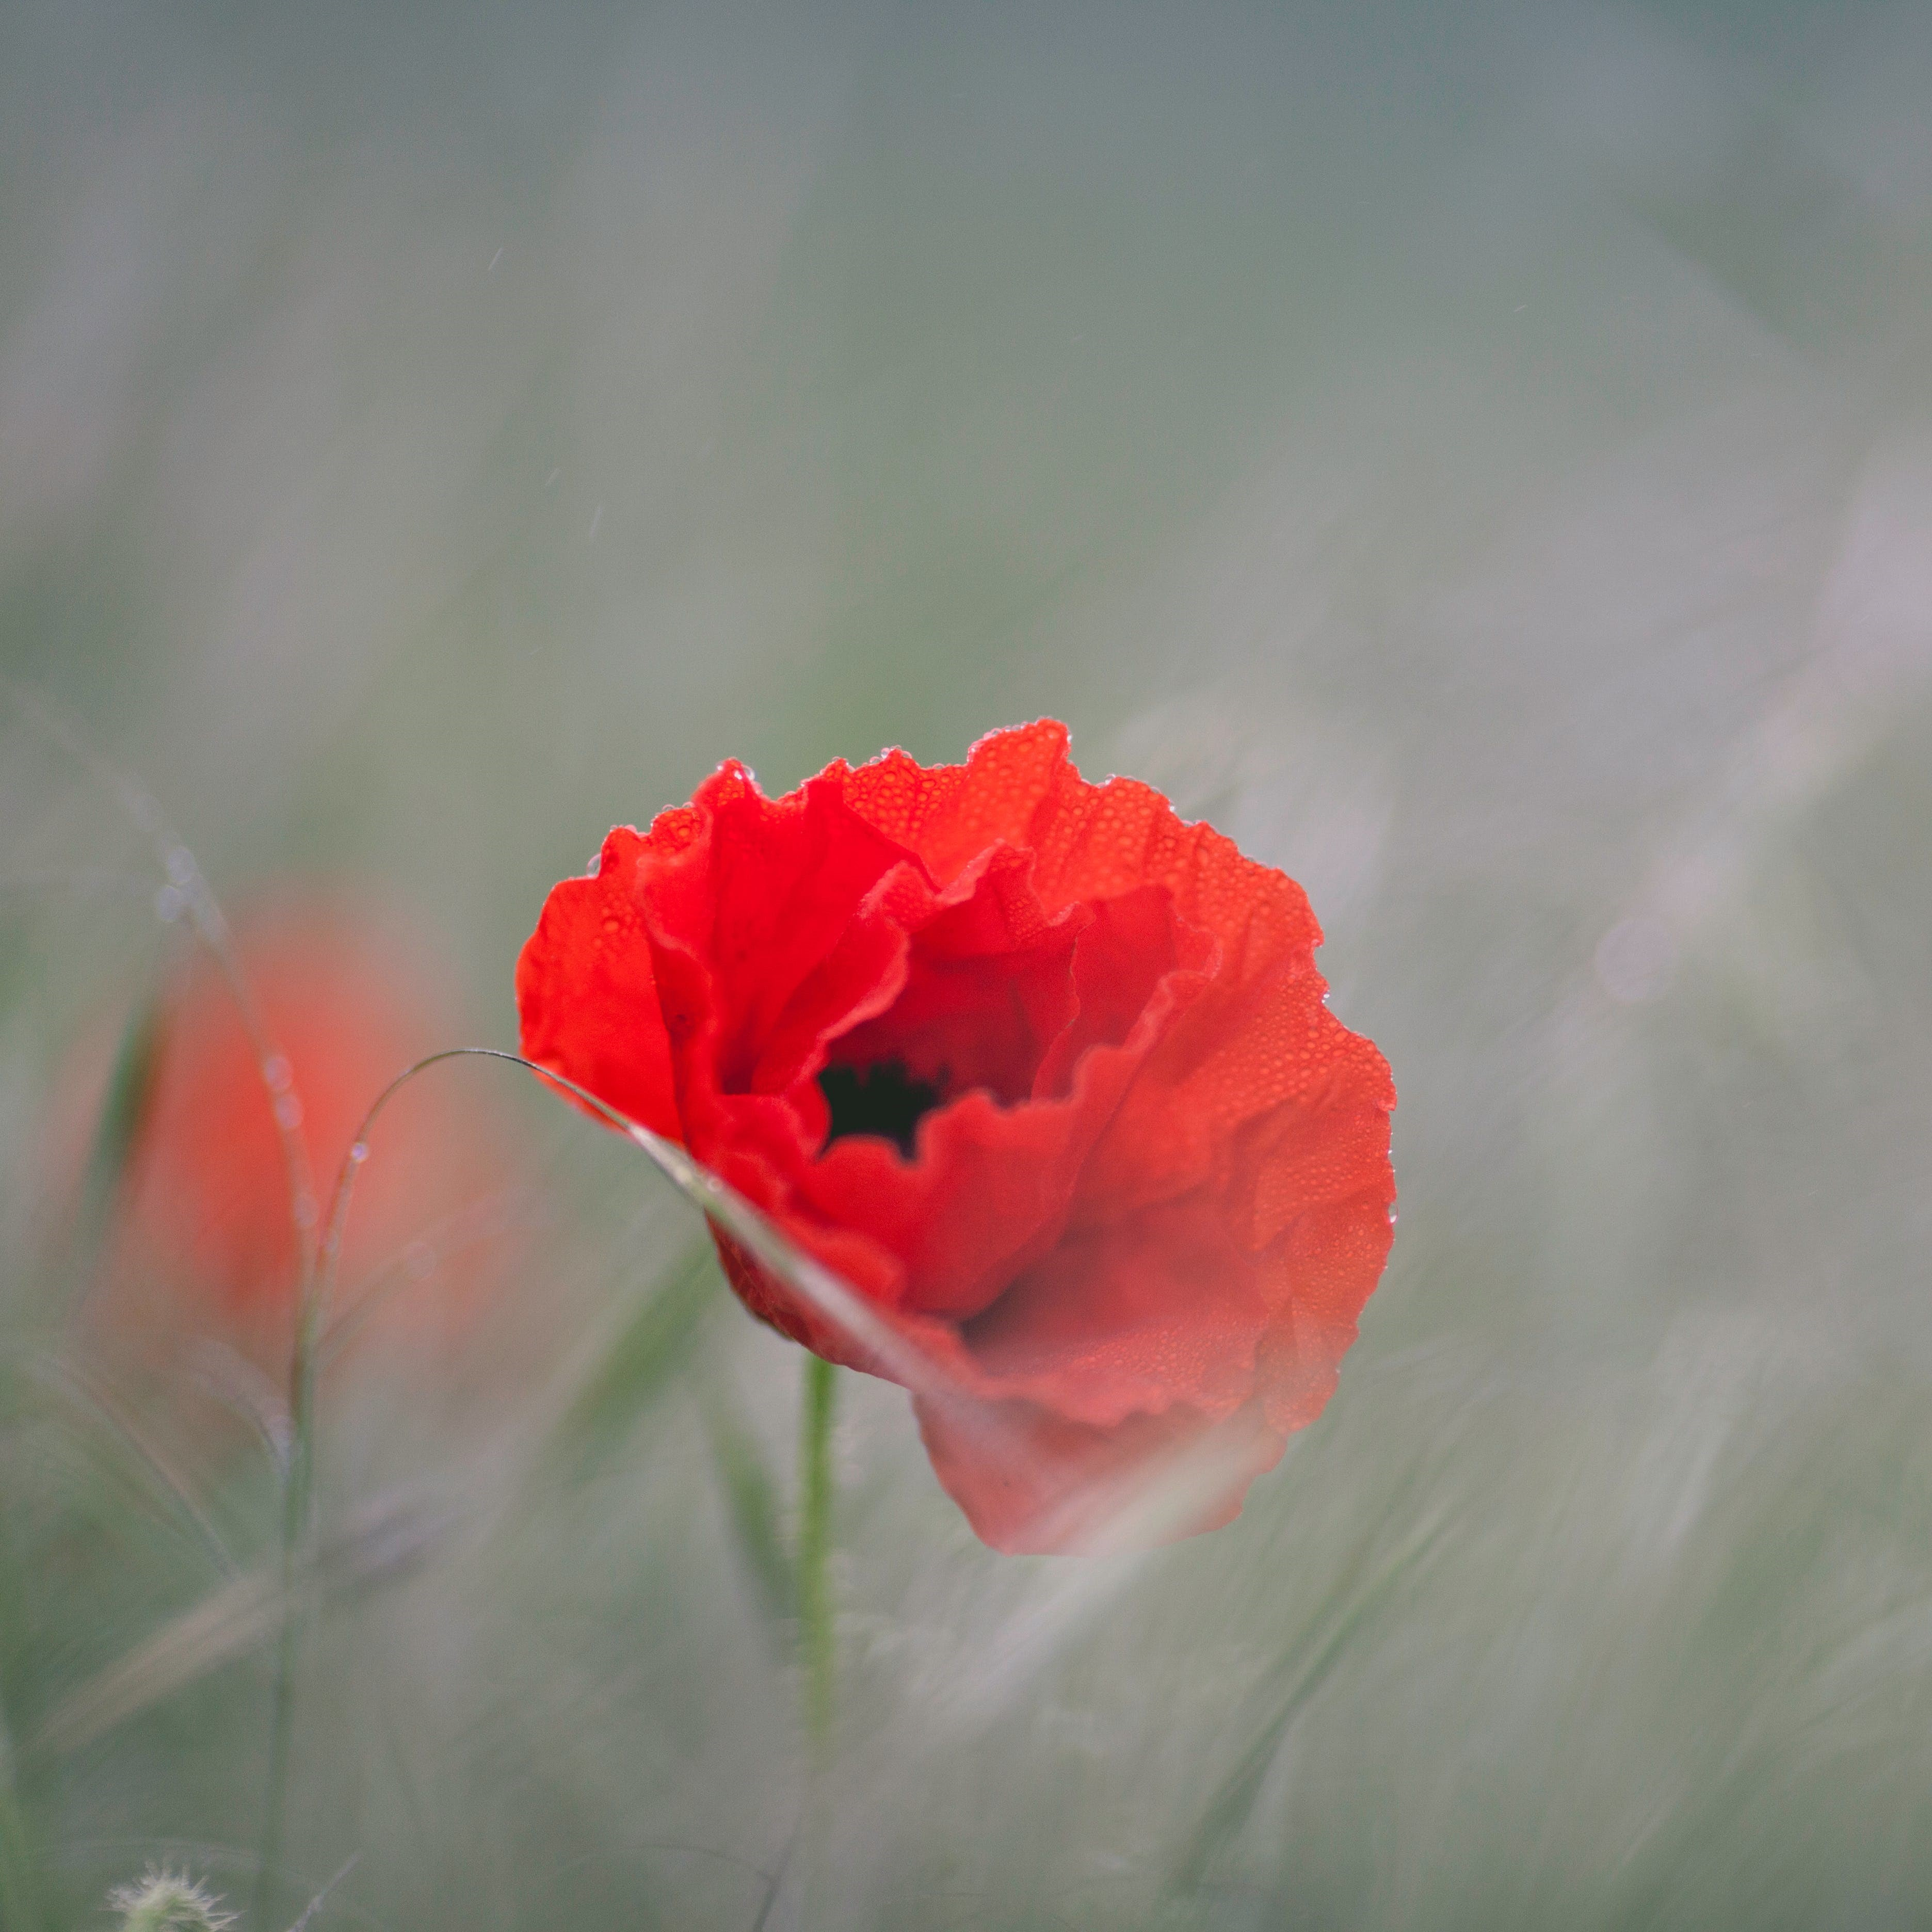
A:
638, 1366
751, 1500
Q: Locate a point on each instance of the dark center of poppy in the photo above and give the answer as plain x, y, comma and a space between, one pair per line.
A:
883, 1098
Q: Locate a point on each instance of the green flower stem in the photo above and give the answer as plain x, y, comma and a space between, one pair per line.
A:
817, 1647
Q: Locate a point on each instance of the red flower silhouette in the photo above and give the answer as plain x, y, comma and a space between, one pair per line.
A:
1043, 1072
203, 1235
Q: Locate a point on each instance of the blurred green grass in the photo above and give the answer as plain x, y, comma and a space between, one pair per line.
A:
1481, 458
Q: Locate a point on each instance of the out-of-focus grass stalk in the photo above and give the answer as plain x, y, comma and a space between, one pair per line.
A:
816, 1649
129, 1085
752, 1497
19, 1889
19, 1876
187, 891
298, 1497
298, 1478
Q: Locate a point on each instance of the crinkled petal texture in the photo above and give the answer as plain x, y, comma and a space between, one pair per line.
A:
1044, 1073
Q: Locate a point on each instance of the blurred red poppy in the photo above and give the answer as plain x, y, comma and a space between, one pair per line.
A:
1045, 1073
202, 1236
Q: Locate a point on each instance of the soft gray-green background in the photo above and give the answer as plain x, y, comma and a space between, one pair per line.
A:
1483, 457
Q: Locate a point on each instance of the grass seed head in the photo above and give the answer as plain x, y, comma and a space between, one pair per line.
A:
163, 1901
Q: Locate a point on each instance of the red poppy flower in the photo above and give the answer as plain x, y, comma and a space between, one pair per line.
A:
203, 1235
1043, 1072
